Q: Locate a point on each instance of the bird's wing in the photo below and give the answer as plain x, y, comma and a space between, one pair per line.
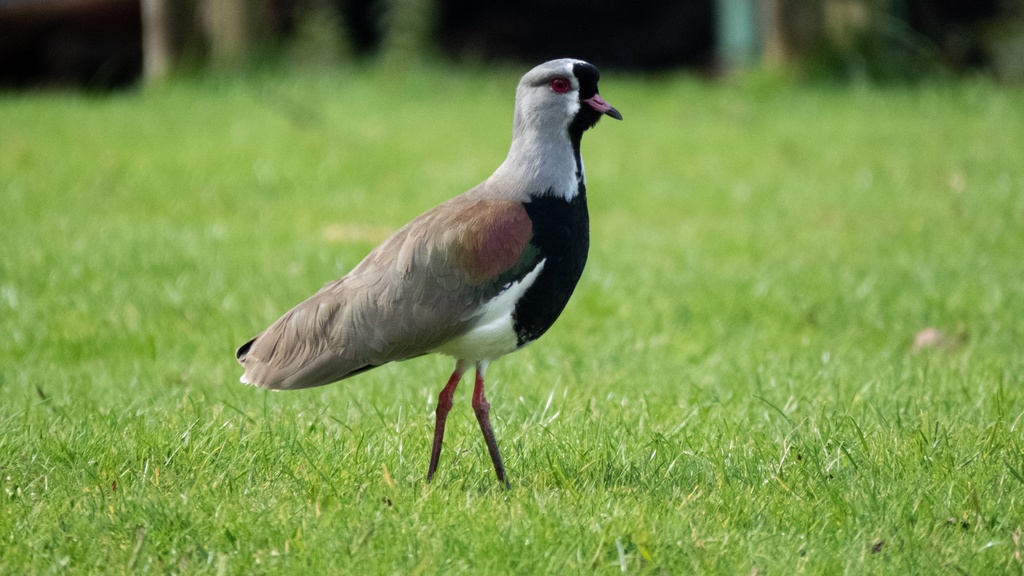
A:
420, 288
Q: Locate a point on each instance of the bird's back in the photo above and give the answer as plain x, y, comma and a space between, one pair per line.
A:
417, 290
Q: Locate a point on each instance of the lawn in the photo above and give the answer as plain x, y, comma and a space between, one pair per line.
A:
734, 388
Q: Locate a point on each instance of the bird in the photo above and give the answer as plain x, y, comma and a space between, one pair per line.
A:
474, 278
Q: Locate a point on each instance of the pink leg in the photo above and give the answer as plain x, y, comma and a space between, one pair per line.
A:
483, 410
444, 404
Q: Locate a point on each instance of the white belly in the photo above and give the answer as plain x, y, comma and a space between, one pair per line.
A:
493, 335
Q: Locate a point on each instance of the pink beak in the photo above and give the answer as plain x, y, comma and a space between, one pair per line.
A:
598, 103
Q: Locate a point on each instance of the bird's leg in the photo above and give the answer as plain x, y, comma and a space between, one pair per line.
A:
483, 410
444, 404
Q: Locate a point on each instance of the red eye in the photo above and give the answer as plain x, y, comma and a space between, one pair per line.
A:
560, 85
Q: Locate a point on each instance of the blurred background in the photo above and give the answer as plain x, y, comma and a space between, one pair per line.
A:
108, 44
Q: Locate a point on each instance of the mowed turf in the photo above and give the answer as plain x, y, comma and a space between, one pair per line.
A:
733, 388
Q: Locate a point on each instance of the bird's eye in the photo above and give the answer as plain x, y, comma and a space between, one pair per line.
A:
560, 85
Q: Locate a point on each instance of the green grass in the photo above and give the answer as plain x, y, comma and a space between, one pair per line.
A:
732, 389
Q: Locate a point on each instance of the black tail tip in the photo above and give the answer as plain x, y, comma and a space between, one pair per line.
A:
243, 350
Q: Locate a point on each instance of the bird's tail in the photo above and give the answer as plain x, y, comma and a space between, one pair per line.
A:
240, 355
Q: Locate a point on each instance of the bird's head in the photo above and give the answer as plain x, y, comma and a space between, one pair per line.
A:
561, 94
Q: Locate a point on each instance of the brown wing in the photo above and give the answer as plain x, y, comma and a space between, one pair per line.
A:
420, 288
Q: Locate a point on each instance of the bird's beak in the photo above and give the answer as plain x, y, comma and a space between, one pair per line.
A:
598, 103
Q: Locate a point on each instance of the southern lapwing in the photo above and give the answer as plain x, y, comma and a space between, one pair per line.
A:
475, 278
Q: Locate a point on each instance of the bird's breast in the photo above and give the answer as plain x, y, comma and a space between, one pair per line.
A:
561, 236
524, 308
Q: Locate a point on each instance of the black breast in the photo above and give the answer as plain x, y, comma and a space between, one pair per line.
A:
561, 235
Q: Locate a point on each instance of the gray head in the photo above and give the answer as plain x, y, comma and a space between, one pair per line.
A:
555, 103
561, 95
